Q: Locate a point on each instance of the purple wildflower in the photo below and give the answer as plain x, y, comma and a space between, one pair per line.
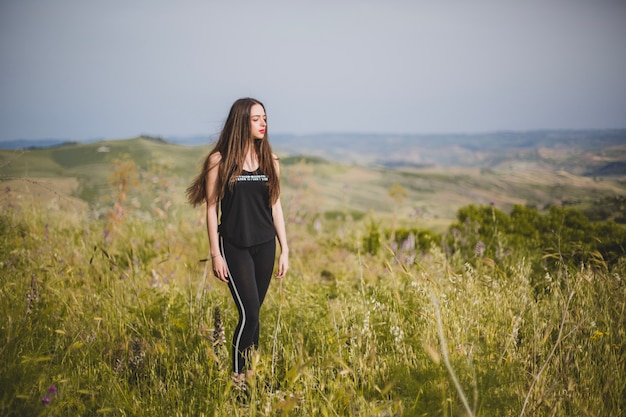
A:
480, 249
52, 391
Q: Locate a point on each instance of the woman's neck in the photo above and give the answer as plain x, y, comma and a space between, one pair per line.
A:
251, 161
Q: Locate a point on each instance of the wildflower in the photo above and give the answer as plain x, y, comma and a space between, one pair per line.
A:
598, 334
119, 365
52, 391
317, 225
480, 249
409, 243
366, 325
397, 334
219, 338
377, 305
33, 293
137, 358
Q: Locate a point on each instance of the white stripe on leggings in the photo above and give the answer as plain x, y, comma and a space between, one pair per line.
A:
243, 311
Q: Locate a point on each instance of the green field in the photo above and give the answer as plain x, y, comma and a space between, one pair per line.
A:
401, 300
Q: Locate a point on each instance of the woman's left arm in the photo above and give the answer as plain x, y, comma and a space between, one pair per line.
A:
281, 233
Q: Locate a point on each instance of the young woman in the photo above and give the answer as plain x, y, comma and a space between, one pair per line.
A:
240, 180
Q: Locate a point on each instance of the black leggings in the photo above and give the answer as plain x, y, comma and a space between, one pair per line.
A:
249, 274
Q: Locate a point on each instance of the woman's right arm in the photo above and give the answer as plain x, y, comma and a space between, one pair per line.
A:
219, 264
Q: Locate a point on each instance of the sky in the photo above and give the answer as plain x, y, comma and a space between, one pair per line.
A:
76, 69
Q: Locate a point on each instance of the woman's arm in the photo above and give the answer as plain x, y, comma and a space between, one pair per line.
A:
281, 232
219, 265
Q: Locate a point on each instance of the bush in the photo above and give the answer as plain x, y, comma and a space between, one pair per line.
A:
562, 235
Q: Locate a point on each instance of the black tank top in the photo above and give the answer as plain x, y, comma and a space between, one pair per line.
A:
246, 218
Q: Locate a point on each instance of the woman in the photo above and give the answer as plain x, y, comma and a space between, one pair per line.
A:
240, 180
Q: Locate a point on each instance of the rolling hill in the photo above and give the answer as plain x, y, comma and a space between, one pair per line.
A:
316, 185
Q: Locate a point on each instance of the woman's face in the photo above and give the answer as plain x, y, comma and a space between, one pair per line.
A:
258, 121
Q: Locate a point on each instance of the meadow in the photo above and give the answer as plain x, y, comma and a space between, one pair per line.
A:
392, 307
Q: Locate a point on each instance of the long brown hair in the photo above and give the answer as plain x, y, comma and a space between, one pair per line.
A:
232, 146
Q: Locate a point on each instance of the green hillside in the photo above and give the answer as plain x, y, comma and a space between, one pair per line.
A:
312, 186
92, 164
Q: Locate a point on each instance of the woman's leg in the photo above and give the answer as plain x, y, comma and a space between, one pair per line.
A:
263, 256
248, 281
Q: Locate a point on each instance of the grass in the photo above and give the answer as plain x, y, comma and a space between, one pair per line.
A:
121, 318
115, 311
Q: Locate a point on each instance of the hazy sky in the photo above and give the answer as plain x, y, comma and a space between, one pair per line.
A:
77, 69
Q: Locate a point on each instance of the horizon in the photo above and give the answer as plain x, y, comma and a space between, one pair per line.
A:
322, 133
341, 142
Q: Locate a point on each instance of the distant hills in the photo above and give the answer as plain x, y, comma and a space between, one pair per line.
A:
580, 151
42, 143
588, 152
330, 175
32, 143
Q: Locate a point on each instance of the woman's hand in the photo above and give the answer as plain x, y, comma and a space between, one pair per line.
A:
283, 265
219, 268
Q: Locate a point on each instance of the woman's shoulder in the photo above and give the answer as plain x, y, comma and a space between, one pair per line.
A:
212, 161
215, 157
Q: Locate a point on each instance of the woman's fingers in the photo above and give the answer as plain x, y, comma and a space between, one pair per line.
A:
283, 266
219, 269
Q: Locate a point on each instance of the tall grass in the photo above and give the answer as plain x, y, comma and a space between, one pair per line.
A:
121, 318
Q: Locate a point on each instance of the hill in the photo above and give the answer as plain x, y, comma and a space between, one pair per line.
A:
578, 152
586, 152
430, 195
92, 164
